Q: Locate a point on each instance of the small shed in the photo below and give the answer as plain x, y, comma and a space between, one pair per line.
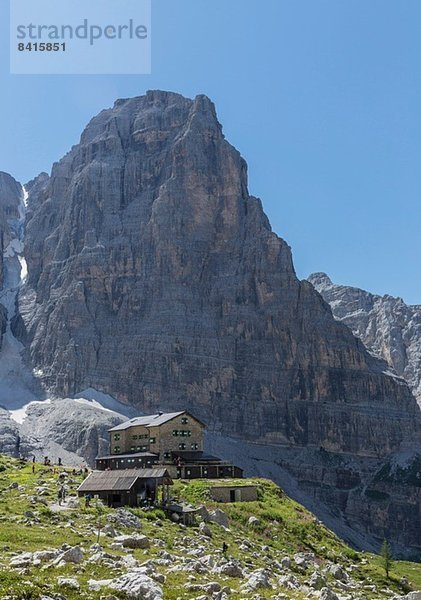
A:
234, 493
129, 487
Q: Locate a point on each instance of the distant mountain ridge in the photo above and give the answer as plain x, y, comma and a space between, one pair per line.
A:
387, 326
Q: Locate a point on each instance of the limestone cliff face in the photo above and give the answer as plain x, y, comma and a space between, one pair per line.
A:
154, 276
388, 327
10, 196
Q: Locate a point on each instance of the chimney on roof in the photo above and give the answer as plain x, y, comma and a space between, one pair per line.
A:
160, 412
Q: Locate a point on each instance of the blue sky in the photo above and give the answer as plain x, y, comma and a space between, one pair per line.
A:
322, 98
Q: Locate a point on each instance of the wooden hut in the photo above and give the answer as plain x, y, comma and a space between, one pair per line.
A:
128, 487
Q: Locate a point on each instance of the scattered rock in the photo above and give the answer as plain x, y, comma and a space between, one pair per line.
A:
317, 581
257, 579
124, 518
96, 585
72, 502
327, 594
203, 513
338, 572
73, 555
210, 588
218, 516
22, 560
230, 569
109, 531
133, 541
253, 522
303, 559
69, 582
204, 529
289, 581
137, 585
43, 556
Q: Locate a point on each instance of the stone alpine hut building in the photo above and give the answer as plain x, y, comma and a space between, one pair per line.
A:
174, 440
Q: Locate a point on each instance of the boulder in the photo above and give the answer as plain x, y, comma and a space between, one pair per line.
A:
73, 555
230, 569
133, 541
303, 559
96, 585
72, 502
218, 516
327, 594
138, 586
317, 581
338, 572
258, 579
210, 588
43, 556
289, 581
204, 529
22, 560
109, 531
69, 582
203, 513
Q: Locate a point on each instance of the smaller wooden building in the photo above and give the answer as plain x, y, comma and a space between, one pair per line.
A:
128, 487
137, 460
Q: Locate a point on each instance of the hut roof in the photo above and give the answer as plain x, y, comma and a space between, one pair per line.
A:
120, 480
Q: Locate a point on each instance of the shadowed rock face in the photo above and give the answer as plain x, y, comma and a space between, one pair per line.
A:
388, 327
154, 276
10, 195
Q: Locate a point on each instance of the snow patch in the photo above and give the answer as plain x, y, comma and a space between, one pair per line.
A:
23, 268
25, 197
97, 399
19, 415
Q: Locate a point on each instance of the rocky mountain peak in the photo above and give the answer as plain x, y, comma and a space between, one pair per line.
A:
319, 279
155, 277
389, 328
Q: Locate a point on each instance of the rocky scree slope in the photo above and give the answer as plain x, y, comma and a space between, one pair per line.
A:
155, 277
387, 326
276, 549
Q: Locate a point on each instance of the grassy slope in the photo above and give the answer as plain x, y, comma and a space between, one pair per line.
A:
284, 527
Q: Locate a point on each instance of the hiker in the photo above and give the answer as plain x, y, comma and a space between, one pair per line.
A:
224, 548
59, 462
33, 467
60, 495
88, 498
